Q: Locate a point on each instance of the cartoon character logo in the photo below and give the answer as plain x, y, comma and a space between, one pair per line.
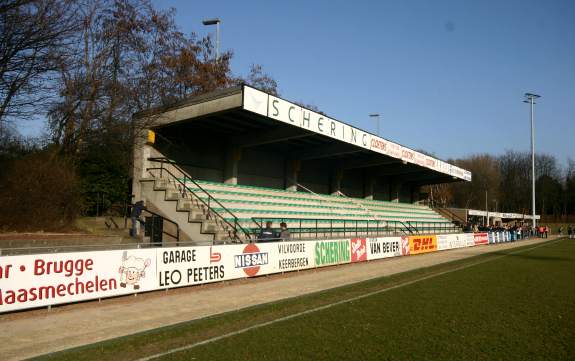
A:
358, 250
131, 270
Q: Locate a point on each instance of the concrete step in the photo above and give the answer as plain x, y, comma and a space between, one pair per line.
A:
185, 204
172, 194
193, 210
209, 227
161, 183
197, 215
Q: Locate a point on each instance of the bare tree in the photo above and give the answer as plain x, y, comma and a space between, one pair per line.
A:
129, 58
263, 81
34, 34
486, 177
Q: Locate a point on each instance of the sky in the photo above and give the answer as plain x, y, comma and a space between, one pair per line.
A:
447, 76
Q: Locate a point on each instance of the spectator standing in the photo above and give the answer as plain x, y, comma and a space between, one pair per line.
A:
137, 209
285, 234
570, 231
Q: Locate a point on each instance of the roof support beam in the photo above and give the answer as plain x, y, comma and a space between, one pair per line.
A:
400, 169
271, 136
432, 180
326, 151
372, 161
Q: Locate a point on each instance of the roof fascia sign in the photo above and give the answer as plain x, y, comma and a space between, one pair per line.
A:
281, 110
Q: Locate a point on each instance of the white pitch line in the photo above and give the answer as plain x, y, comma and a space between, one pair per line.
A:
330, 305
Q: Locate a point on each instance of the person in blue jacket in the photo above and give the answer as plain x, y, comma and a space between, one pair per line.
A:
137, 209
267, 234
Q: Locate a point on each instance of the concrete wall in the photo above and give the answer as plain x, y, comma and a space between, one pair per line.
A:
202, 161
405, 195
352, 183
382, 189
260, 167
315, 176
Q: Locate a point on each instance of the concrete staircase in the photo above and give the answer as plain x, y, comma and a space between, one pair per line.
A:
195, 220
455, 216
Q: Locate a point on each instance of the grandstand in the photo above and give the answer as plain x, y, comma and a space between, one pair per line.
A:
222, 164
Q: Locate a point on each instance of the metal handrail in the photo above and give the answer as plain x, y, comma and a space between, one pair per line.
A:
320, 198
417, 225
365, 209
455, 217
177, 236
210, 209
350, 226
408, 227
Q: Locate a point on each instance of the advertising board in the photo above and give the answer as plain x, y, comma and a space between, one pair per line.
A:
51, 279
480, 238
451, 241
332, 252
383, 247
358, 250
469, 239
422, 244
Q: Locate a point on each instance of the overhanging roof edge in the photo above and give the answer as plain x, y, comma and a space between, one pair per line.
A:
217, 94
273, 107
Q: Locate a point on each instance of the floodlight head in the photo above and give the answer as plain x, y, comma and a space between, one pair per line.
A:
531, 95
211, 21
374, 115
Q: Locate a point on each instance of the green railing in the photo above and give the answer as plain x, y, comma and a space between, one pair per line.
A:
209, 204
433, 227
301, 228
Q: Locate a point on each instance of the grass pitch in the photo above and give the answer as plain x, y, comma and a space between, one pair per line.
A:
508, 305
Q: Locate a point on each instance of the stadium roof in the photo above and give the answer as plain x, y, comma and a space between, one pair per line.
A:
247, 117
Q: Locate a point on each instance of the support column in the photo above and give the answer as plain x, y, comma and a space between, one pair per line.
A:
140, 162
415, 192
394, 190
293, 167
368, 186
335, 186
233, 157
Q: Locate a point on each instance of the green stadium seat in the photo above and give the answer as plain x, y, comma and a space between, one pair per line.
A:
311, 211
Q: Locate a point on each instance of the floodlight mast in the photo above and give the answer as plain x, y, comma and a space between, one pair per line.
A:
530, 99
215, 22
376, 116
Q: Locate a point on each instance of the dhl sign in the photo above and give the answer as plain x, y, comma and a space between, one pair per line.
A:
422, 244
